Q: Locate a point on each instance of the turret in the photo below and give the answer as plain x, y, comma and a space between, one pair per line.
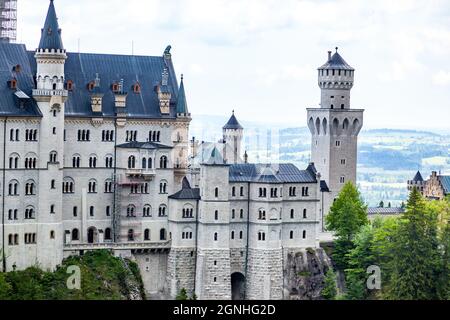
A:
232, 137
335, 80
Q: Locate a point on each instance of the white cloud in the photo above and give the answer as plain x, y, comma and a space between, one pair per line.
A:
442, 78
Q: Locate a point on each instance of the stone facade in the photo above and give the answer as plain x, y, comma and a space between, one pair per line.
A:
111, 172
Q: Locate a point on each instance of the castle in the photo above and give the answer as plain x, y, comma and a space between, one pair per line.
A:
95, 155
437, 187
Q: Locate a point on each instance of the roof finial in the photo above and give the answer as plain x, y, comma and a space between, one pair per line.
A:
233, 112
182, 77
337, 49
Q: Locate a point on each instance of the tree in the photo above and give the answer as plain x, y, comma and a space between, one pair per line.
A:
182, 295
329, 290
381, 205
347, 214
5, 288
415, 253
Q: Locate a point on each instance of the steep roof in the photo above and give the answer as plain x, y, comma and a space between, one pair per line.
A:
445, 182
186, 192
233, 123
215, 158
270, 173
182, 104
336, 62
51, 33
418, 177
12, 55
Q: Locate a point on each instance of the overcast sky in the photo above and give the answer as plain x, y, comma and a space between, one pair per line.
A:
260, 57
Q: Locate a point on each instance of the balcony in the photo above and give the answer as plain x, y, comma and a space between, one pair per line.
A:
49, 93
118, 246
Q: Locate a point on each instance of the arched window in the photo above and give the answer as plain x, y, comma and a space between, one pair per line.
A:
131, 211
131, 162
233, 214
304, 234
216, 236
291, 234
76, 161
162, 211
162, 234
13, 188
146, 234
150, 163
29, 213
216, 215
92, 186
261, 236
75, 235
108, 186
232, 235
29, 188
147, 211
108, 235
163, 187
130, 235
68, 185
93, 161
262, 215
163, 162
304, 214
53, 157
216, 192
292, 213
144, 163
233, 191
14, 161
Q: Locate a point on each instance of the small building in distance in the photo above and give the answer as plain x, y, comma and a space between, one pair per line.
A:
437, 187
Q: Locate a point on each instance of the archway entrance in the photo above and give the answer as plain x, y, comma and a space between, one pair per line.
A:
237, 286
92, 235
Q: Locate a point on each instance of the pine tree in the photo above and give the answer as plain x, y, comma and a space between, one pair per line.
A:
182, 295
415, 255
329, 290
347, 214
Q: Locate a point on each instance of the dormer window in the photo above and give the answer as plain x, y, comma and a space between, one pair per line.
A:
69, 85
17, 68
91, 86
115, 87
136, 88
12, 84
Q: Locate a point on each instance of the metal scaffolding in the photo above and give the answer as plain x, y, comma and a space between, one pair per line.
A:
8, 20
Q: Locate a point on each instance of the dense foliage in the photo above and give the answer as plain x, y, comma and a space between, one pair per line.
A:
347, 214
412, 252
103, 277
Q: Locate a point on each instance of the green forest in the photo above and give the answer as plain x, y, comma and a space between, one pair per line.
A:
411, 252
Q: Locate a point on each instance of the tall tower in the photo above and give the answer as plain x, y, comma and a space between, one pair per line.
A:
50, 96
8, 20
213, 276
232, 136
335, 128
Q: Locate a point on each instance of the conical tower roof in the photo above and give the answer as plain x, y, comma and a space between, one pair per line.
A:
233, 123
181, 103
51, 33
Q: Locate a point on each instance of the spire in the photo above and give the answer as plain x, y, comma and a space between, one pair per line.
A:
418, 177
233, 123
181, 103
51, 33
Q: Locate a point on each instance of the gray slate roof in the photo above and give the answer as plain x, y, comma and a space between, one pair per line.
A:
418, 177
143, 145
182, 104
51, 33
386, 211
186, 192
337, 62
82, 68
12, 55
232, 123
270, 173
445, 182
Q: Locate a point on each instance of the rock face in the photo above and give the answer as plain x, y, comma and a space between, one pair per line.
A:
304, 273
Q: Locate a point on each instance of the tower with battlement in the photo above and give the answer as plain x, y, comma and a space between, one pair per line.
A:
334, 128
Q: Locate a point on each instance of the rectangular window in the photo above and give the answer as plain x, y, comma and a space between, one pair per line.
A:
91, 211
75, 211
342, 179
108, 211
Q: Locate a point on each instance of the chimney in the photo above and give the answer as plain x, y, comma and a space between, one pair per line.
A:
329, 55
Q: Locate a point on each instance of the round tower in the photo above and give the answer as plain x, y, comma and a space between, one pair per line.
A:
335, 127
50, 96
232, 137
335, 81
